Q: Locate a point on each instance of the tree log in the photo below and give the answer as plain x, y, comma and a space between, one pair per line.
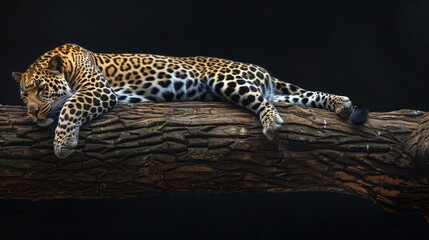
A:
216, 147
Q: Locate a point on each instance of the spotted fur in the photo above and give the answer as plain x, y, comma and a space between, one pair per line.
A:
80, 85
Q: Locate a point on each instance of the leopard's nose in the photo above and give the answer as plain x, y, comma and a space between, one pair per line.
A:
33, 109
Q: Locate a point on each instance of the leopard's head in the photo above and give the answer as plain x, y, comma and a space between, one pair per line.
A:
44, 89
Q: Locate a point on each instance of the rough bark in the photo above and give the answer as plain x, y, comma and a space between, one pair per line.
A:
216, 147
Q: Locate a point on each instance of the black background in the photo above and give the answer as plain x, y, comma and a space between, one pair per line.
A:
375, 52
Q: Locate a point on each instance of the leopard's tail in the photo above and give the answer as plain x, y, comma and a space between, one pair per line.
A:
359, 115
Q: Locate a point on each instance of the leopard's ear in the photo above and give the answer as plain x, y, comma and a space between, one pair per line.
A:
17, 76
56, 64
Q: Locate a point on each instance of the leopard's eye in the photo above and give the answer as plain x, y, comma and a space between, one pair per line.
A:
41, 86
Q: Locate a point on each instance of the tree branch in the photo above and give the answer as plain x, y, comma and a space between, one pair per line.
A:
215, 147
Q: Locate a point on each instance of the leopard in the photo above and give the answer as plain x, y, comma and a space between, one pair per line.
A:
70, 85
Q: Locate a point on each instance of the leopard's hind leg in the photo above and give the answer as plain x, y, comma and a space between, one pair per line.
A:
250, 95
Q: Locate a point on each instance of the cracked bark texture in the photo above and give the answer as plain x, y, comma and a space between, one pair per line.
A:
215, 147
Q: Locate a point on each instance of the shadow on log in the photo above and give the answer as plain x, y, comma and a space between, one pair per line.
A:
215, 147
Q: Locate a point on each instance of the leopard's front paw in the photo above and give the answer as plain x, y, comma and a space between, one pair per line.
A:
64, 148
343, 107
271, 126
65, 141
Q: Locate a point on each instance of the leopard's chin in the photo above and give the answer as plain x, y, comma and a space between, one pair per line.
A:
45, 122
